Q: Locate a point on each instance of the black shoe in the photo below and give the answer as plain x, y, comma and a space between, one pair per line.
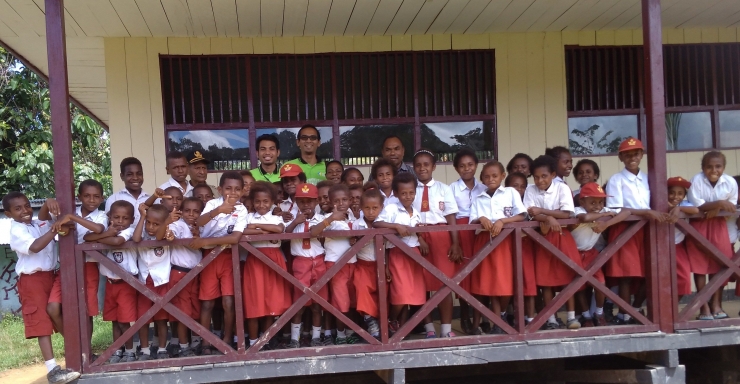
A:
619, 321
116, 357
186, 352
173, 350
61, 376
608, 312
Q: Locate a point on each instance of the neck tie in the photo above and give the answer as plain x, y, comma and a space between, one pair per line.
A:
306, 242
425, 199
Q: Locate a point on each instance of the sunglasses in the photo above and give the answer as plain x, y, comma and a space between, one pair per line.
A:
308, 137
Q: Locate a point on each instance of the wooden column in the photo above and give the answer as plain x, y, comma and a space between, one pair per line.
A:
63, 175
661, 298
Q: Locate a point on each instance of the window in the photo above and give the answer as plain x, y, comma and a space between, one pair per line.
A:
225, 149
441, 100
599, 134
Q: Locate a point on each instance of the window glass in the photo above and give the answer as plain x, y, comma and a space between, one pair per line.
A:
362, 144
688, 130
729, 129
599, 135
445, 139
289, 148
225, 149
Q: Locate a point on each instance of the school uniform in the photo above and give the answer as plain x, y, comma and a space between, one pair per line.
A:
125, 195
549, 270
217, 278
627, 190
464, 197
265, 292
154, 272
187, 191
340, 286
289, 205
366, 275
184, 259
121, 298
92, 274
434, 201
35, 275
388, 199
407, 281
720, 231
683, 265
494, 276
589, 243
308, 260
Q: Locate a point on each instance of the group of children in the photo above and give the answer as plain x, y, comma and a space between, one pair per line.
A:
191, 209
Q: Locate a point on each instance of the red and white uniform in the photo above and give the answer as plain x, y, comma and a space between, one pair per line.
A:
627, 190
125, 195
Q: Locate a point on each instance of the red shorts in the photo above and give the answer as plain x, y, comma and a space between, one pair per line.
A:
121, 301
308, 271
217, 278
340, 286
366, 288
143, 304
92, 281
187, 299
264, 291
588, 257
55, 296
33, 292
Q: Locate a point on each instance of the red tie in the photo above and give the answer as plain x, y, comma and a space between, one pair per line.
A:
425, 199
306, 242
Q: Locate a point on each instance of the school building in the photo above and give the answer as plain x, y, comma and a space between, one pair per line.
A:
500, 76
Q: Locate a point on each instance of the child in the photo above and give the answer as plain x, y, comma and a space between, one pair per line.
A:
436, 204
465, 190
177, 168
677, 190
324, 206
132, 175
33, 242
590, 242
520, 163
280, 193
290, 175
334, 170
518, 181
338, 220
352, 176
355, 195
629, 189
546, 201
382, 173
586, 171
712, 191
203, 192
403, 273
154, 271
564, 159
266, 293
222, 222
493, 208
248, 180
308, 262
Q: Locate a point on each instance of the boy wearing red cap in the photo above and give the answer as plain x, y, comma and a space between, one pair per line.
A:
677, 190
589, 240
290, 176
629, 189
308, 261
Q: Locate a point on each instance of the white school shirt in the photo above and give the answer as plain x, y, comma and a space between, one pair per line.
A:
22, 236
187, 192
557, 197
679, 236
397, 214
464, 196
627, 190
584, 234
224, 224
154, 261
505, 202
269, 218
441, 202
181, 255
127, 196
296, 245
335, 247
701, 192
367, 253
289, 205
558, 179
126, 257
98, 217
392, 199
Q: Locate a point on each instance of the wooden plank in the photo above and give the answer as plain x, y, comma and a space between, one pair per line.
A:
338, 17
221, 45
383, 17
324, 44
382, 44
559, 7
460, 41
283, 45
131, 17
441, 42
710, 35
405, 15
362, 43
605, 37
304, 44
178, 46
271, 18
179, 18
625, 18
294, 17
316, 16
362, 15
200, 45
518, 100
262, 45
580, 23
535, 12
485, 19
344, 43
713, 15
227, 22
449, 13
15, 22
120, 127
248, 13
692, 35
155, 17
401, 43
5, 31
155, 47
576, 11
499, 42
71, 28
556, 116
140, 113
536, 93
479, 41
242, 45
107, 17
637, 37
425, 17
31, 14
201, 14
506, 18
421, 43
617, 8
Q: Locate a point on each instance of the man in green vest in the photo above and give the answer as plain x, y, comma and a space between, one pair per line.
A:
308, 141
268, 152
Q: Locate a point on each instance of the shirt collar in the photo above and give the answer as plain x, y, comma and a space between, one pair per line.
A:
275, 172
141, 195
461, 186
721, 180
631, 176
429, 184
78, 212
318, 161
484, 192
404, 168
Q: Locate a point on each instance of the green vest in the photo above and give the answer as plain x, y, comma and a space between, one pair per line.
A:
269, 177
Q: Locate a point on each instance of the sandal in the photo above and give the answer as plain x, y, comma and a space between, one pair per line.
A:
720, 315
705, 317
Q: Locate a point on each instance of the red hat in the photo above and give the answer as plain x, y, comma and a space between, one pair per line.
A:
306, 190
678, 182
629, 144
592, 190
290, 170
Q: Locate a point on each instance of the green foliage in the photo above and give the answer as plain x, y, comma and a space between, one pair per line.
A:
672, 124
26, 153
588, 144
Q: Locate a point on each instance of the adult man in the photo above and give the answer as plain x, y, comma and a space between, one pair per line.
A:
198, 172
308, 141
393, 151
268, 152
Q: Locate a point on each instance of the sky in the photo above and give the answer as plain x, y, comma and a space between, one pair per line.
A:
236, 138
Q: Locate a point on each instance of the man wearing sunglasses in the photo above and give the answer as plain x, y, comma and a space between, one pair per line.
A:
308, 141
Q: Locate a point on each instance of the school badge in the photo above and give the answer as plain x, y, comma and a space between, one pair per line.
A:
424, 205
230, 229
159, 251
305, 188
118, 257
632, 142
508, 211
442, 206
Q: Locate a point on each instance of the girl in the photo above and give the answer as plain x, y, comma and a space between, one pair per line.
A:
248, 180
465, 190
404, 274
521, 163
493, 208
334, 170
547, 201
383, 172
677, 190
352, 176
712, 192
564, 161
355, 195
586, 171
437, 206
266, 293
518, 181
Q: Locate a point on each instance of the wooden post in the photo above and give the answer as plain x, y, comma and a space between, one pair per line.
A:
661, 303
61, 131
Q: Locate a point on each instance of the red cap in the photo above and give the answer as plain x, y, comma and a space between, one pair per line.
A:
678, 182
592, 190
629, 144
306, 190
290, 170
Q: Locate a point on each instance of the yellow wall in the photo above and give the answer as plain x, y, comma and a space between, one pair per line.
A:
530, 77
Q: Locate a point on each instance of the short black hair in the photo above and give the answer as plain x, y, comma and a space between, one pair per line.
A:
404, 178
713, 155
173, 188
268, 137
12, 196
193, 200
510, 177
371, 191
425, 152
203, 185
462, 153
335, 162
590, 162
305, 126
338, 188
346, 172
382, 162
556, 152
90, 183
158, 209
130, 161
263, 187
545, 161
123, 204
324, 184
493, 163
230, 175
510, 164
392, 137
172, 155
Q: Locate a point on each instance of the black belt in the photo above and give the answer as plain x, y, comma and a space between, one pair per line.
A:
181, 269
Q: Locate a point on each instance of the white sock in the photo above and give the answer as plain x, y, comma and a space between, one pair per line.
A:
161, 350
446, 329
129, 350
429, 327
529, 319
315, 332
295, 331
366, 317
251, 342
586, 314
196, 340
627, 317
551, 319
183, 346
599, 311
50, 364
621, 316
286, 335
341, 334
571, 315
503, 315
137, 344
327, 333
174, 341
235, 339
145, 351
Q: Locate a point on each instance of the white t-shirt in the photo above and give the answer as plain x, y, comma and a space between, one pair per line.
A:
505, 202
125, 195
557, 197
627, 190
679, 236
464, 196
125, 257
22, 236
441, 202
367, 253
98, 217
187, 192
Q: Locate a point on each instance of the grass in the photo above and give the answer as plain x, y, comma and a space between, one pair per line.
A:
16, 351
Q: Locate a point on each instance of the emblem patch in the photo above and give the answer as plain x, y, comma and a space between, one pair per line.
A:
230, 229
118, 257
159, 251
442, 206
508, 211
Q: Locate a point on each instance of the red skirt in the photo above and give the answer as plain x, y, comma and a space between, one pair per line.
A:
628, 261
588, 257
714, 230
407, 279
439, 248
530, 281
467, 242
683, 270
265, 292
549, 270
366, 288
494, 275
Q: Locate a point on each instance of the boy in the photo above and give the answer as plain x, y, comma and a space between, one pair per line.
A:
132, 175
198, 171
33, 242
290, 175
177, 168
204, 192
